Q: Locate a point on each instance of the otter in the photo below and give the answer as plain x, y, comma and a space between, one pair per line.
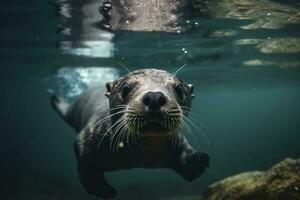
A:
135, 126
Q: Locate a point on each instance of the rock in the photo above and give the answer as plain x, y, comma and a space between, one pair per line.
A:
280, 182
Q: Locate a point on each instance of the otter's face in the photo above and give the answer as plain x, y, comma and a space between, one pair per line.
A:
151, 102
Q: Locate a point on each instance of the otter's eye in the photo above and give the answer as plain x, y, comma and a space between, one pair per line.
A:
179, 90
125, 90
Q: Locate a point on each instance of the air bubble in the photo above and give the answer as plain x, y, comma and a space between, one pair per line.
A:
121, 144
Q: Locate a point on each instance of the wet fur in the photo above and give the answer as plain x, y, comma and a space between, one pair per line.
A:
93, 141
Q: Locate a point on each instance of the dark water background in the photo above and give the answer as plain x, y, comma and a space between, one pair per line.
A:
244, 65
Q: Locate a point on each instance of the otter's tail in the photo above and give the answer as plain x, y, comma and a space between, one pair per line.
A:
60, 105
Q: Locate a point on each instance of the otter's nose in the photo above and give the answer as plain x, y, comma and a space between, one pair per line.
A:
154, 100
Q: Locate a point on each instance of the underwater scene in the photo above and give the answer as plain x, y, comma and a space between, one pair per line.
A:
237, 64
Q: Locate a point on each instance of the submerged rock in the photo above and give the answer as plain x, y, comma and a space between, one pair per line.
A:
282, 181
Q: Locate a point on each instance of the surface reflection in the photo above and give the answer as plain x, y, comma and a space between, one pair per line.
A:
280, 45
266, 14
83, 37
223, 30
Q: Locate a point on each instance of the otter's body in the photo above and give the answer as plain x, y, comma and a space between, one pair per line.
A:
136, 127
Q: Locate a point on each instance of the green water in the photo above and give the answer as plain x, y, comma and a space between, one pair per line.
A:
245, 68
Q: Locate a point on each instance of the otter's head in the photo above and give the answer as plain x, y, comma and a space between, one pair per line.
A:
149, 102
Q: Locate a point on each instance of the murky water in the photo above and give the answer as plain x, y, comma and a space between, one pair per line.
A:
241, 56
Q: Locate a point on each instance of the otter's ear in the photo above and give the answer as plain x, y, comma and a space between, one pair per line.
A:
191, 87
108, 88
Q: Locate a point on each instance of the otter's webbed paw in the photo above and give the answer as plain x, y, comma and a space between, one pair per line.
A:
193, 165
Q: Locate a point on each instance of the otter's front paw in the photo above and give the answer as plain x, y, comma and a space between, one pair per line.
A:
198, 160
194, 165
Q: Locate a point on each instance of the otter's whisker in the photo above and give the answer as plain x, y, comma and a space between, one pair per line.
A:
120, 105
118, 143
122, 137
191, 114
119, 137
191, 133
138, 124
179, 120
130, 134
185, 125
173, 137
117, 108
173, 124
197, 127
134, 133
116, 131
108, 116
115, 124
127, 137
180, 68
186, 111
124, 66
